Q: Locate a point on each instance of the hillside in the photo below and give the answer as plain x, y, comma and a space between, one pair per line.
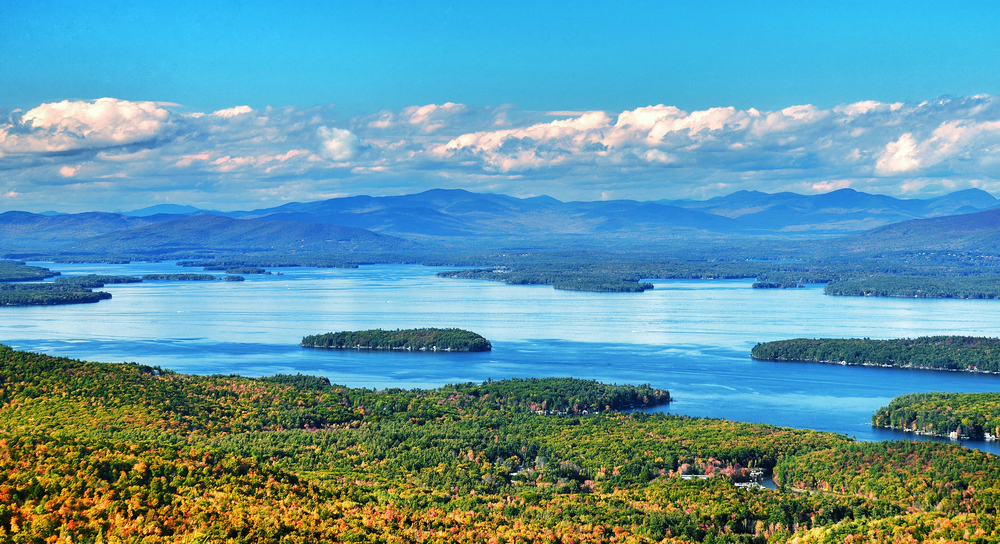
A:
23, 230
214, 233
978, 232
843, 210
126, 452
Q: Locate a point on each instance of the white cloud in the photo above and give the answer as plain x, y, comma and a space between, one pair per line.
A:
432, 117
229, 113
899, 156
858, 108
655, 151
832, 185
337, 144
67, 126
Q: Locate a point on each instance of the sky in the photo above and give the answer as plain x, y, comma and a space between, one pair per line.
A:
114, 106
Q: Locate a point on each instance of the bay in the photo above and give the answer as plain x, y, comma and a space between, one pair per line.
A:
692, 337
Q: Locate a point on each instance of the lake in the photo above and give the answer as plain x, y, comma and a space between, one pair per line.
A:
692, 337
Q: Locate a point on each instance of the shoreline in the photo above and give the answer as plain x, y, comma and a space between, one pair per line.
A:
950, 436
874, 365
389, 348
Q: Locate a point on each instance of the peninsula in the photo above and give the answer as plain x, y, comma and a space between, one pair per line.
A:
409, 339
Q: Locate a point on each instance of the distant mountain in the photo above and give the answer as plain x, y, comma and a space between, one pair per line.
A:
215, 233
19, 230
979, 232
842, 211
461, 219
172, 209
458, 213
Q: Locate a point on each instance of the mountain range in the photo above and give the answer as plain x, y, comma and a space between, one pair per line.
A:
458, 218
448, 213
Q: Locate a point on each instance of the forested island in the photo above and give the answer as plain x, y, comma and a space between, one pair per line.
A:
92, 281
79, 289
954, 415
410, 339
47, 294
64, 290
972, 354
127, 452
179, 277
21, 271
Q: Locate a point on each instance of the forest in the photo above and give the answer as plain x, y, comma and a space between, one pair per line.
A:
967, 353
102, 452
409, 339
179, 277
21, 271
78, 289
95, 281
47, 294
974, 287
968, 415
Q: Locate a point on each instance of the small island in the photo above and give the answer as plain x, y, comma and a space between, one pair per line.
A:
965, 353
409, 340
179, 277
958, 416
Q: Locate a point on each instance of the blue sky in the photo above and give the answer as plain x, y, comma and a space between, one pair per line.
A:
333, 95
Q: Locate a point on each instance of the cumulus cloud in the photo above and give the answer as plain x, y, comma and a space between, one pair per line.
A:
66, 126
233, 155
338, 144
899, 156
232, 112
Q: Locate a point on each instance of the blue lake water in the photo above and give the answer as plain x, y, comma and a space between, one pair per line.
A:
691, 337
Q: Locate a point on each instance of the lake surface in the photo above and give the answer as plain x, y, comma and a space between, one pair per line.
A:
692, 337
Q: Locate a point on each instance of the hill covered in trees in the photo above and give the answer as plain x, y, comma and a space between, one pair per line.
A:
115, 452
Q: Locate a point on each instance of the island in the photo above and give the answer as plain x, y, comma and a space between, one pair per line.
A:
965, 353
249, 270
973, 416
48, 294
91, 281
21, 271
409, 340
179, 277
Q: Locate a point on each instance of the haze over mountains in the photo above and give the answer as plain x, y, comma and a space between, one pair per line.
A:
442, 212
457, 218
